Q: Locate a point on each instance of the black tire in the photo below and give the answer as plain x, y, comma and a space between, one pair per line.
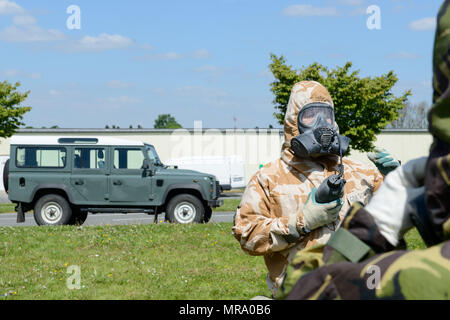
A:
208, 214
5, 176
78, 217
185, 208
52, 210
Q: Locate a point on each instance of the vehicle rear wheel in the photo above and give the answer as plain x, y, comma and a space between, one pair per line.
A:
78, 217
52, 210
185, 208
5, 175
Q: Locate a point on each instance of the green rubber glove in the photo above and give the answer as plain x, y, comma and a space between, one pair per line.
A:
316, 214
384, 161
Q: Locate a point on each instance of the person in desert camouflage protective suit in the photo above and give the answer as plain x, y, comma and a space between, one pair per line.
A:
359, 262
278, 216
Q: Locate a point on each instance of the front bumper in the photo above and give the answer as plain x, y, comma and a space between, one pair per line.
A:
215, 203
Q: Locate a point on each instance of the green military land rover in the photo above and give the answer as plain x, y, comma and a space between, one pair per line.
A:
63, 179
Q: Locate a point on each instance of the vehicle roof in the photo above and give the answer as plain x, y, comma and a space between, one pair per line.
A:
53, 140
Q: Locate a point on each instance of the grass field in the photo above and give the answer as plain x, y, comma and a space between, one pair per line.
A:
7, 208
164, 261
413, 240
228, 205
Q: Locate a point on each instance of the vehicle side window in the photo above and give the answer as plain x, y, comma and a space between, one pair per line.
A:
40, 157
89, 158
128, 158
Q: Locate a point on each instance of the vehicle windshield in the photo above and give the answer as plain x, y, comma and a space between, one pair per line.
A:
152, 155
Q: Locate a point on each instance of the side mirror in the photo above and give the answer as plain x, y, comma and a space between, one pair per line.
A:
145, 164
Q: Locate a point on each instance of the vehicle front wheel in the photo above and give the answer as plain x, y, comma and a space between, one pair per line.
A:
185, 208
52, 210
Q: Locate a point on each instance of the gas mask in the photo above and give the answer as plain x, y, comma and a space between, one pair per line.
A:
319, 136
318, 132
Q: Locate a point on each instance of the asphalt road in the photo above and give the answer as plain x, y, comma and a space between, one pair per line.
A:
9, 219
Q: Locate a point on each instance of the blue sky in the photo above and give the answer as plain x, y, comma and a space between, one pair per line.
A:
200, 59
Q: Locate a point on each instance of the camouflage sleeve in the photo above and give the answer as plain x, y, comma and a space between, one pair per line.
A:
399, 275
357, 238
323, 272
259, 226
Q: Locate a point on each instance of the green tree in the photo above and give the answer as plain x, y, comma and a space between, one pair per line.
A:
363, 105
166, 121
11, 111
52, 127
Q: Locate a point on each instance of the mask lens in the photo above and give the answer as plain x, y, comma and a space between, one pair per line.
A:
309, 115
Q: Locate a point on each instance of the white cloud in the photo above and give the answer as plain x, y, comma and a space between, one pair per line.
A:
212, 72
309, 10
10, 73
123, 100
34, 75
117, 84
201, 54
9, 7
159, 91
403, 55
168, 56
102, 42
55, 93
191, 91
146, 46
198, 54
266, 73
424, 24
25, 27
30, 33
207, 68
24, 20
358, 11
159, 56
20, 74
351, 2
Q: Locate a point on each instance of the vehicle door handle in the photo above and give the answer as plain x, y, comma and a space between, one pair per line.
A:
117, 183
79, 182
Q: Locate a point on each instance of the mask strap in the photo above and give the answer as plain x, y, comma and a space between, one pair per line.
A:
341, 167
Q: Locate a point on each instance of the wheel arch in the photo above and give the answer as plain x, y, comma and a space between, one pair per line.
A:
45, 189
176, 189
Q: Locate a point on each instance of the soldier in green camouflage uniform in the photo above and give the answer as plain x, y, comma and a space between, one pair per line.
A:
360, 260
